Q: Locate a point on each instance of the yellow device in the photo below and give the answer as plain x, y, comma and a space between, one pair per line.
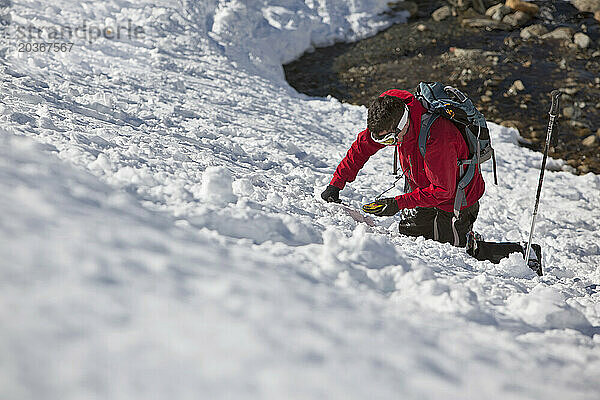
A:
373, 207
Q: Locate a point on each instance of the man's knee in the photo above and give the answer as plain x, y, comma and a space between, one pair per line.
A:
418, 223
454, 230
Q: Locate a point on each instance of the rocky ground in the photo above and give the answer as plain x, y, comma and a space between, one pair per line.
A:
508, 61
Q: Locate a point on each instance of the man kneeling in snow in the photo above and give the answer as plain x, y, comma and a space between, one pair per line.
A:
394, 119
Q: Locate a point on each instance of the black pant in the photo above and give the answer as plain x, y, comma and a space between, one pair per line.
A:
436, 224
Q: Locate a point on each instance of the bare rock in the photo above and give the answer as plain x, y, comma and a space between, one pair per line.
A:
580, 129
492, 10
498, 12
587, 5
517, 18
485, 23
569, 91
515, 88
518, 84
568, 112
584, 169
589, 141
510, 42
441, 13
582, 40
533, 31
465, 53
563, 33
519, 5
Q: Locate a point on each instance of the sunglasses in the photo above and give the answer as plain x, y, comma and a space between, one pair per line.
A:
391, 138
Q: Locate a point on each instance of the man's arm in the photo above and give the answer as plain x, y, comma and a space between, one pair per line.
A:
356, 157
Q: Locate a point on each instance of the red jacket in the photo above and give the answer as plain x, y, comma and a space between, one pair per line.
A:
432, 179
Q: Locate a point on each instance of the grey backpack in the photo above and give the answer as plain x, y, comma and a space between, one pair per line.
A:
446, 101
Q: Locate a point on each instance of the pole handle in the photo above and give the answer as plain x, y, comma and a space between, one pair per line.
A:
554, 108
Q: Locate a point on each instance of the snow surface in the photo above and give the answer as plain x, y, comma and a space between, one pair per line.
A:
162, 234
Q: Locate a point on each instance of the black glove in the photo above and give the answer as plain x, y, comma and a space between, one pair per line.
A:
331, 194
382, 207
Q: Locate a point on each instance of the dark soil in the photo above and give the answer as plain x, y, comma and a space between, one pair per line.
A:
485, 65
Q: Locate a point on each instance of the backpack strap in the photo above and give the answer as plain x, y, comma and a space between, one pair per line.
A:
395, 160
427, 120
494, 164
461, 198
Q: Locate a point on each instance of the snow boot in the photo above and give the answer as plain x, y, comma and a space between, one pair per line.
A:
496, 251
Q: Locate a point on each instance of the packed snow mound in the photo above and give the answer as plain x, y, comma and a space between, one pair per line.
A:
216, 186
163, 235
546, 307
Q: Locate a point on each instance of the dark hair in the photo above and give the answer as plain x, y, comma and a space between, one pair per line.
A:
384, 113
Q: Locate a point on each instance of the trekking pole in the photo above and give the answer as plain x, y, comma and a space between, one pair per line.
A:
553, 114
